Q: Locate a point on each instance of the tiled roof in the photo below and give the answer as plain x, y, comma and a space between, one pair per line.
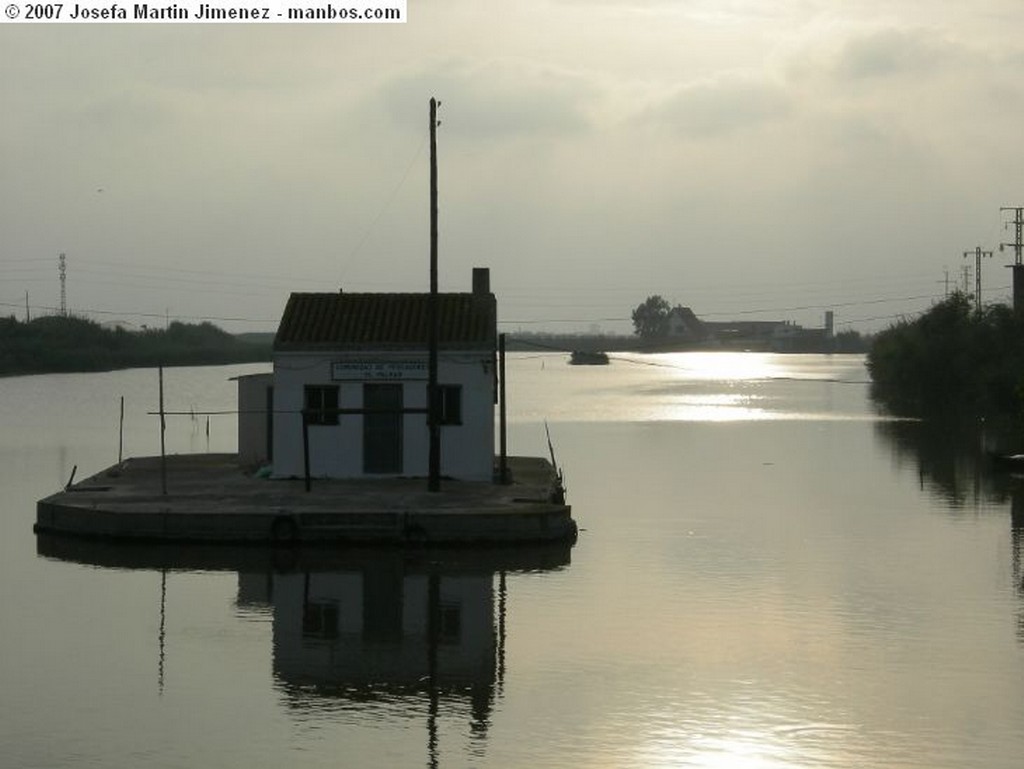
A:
385, 321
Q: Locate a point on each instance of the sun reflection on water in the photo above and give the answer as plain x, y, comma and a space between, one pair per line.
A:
730, 750
709, 407
817, 745
694, 387
725, 366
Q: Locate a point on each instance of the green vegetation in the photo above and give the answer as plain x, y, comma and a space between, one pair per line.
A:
951, 361
650, 318
58, 344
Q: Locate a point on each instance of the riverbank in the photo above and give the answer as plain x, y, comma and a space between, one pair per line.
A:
59, 344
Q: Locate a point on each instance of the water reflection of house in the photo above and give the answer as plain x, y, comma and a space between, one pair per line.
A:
382, 631
395, 626
400, 630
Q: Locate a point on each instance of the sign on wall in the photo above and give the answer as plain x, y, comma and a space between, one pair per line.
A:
379, 371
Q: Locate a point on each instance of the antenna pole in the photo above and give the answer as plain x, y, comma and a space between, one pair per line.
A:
62, 268
434, 458
1018, 247
978, 253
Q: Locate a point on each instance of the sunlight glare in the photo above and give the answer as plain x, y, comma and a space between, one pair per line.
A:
736, 750
726, 366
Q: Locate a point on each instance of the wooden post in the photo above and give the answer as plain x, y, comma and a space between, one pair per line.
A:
120, 436
434, 457
163, 429
305, 448
502, 413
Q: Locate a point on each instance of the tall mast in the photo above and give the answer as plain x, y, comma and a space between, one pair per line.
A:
434, 460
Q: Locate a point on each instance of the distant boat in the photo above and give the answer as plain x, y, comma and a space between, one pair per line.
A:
586, 358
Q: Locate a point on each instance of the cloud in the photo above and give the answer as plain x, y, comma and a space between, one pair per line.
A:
895, 53
721, 108
494, 100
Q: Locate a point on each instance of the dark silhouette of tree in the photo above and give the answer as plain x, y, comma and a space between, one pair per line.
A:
650, 318
58, 343
952, 360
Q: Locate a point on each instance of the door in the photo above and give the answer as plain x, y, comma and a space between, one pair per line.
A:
382, 431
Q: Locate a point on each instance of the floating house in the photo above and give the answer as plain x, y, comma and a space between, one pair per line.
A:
354, 397
349, 386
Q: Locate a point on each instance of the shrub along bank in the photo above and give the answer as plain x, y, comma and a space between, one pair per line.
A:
951, 361
63, 344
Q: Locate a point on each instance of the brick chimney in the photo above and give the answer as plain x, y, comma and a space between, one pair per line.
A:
481, 280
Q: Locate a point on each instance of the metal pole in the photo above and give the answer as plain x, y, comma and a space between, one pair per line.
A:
502, 412
120, 436
305, 448
434, 458
978, 253
62, 269
163, 429
1018, 249
1018, 241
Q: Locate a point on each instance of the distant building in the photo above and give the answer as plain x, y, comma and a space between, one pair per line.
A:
356, 365
773, 335
747, 333
683, 325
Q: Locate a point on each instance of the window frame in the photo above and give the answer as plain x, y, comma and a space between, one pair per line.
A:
317, 404
449, 400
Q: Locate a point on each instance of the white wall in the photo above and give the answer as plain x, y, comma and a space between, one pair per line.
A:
336, 451
252, 417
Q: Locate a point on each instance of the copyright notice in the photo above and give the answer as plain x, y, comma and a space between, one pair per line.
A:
278, 11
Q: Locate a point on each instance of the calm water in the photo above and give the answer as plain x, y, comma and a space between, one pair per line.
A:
768, 575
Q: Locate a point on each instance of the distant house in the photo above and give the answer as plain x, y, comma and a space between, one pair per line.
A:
356, 365
683, 324
774, 335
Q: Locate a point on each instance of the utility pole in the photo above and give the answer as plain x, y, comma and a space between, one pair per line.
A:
62, 268
434, 458
1018, 246
27, 317
978, 253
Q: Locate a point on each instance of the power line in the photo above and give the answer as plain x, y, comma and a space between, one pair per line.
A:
827, 306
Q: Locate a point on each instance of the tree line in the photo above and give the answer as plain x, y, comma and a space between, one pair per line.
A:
65, 343
953, 360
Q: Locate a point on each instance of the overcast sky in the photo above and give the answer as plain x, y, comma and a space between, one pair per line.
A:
745, 158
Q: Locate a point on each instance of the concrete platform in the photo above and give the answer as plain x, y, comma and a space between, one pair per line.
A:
211, 498
323, 557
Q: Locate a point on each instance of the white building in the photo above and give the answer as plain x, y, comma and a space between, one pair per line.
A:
356, 365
